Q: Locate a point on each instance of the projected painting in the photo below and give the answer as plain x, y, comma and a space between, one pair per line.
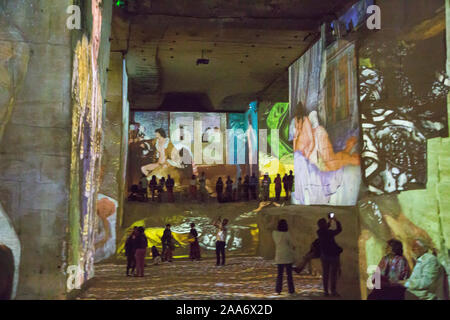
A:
275, 150
324, 126
242, 141
404, 89
181, 144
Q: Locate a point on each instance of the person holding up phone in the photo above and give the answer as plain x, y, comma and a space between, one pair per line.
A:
329, 252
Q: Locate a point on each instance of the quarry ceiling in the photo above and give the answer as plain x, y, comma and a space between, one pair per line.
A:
249, 45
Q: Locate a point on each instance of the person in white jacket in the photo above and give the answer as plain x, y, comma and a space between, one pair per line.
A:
284, 255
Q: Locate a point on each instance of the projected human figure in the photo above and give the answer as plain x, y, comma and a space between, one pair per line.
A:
166, 153
323, 154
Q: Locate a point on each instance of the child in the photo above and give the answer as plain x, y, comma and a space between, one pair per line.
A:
156, 256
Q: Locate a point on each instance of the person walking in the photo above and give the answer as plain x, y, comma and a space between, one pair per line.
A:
141, 248
167, 244
329, 253
194, 253
130, 251
221, 238
219, 189
277, 182
284, 256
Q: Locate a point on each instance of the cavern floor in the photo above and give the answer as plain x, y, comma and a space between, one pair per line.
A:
241, 278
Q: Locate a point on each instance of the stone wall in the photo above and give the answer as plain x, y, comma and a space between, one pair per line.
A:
35, 148
302, 223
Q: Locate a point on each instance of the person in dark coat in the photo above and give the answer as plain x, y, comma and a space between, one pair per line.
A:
290, 182
254, 186
286, 185
167, 244
153, 186
219, 189
141, 249
170, 183
229, 190
246, 186
194, 253
130, 251
329, 253
277, 182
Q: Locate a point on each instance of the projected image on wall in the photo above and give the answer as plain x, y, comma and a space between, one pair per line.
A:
277, 156
399, 113
324, 126
184, 144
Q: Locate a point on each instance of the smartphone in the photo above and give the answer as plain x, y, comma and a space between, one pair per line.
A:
331, 215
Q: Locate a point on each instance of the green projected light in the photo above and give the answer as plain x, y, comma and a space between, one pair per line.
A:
120, 3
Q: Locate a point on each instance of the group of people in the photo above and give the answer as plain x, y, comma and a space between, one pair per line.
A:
324, 247
155, 187
393, 279
249, 188
137, 243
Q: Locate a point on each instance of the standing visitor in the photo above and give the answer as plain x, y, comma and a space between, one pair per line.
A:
266, 186
239, 189
286, 185
193, 187
330, 253
141, 248
194, 253
130, 251
167, 244
162, 183
229, 189
284, 255
169, 186
246, 187
253, 186
153, 186
202, 187
277, 182
290, 184
221, 238
219, 189
144, 186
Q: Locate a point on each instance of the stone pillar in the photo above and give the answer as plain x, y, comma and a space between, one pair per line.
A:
35, 128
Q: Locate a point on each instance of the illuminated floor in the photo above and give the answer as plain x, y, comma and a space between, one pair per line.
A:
241, 278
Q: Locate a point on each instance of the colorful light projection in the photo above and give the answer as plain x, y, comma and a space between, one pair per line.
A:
191, 143
324, 126
277, 156
14, 61
403, 93
86, 153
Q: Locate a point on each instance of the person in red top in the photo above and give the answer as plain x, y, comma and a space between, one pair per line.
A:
277, 182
